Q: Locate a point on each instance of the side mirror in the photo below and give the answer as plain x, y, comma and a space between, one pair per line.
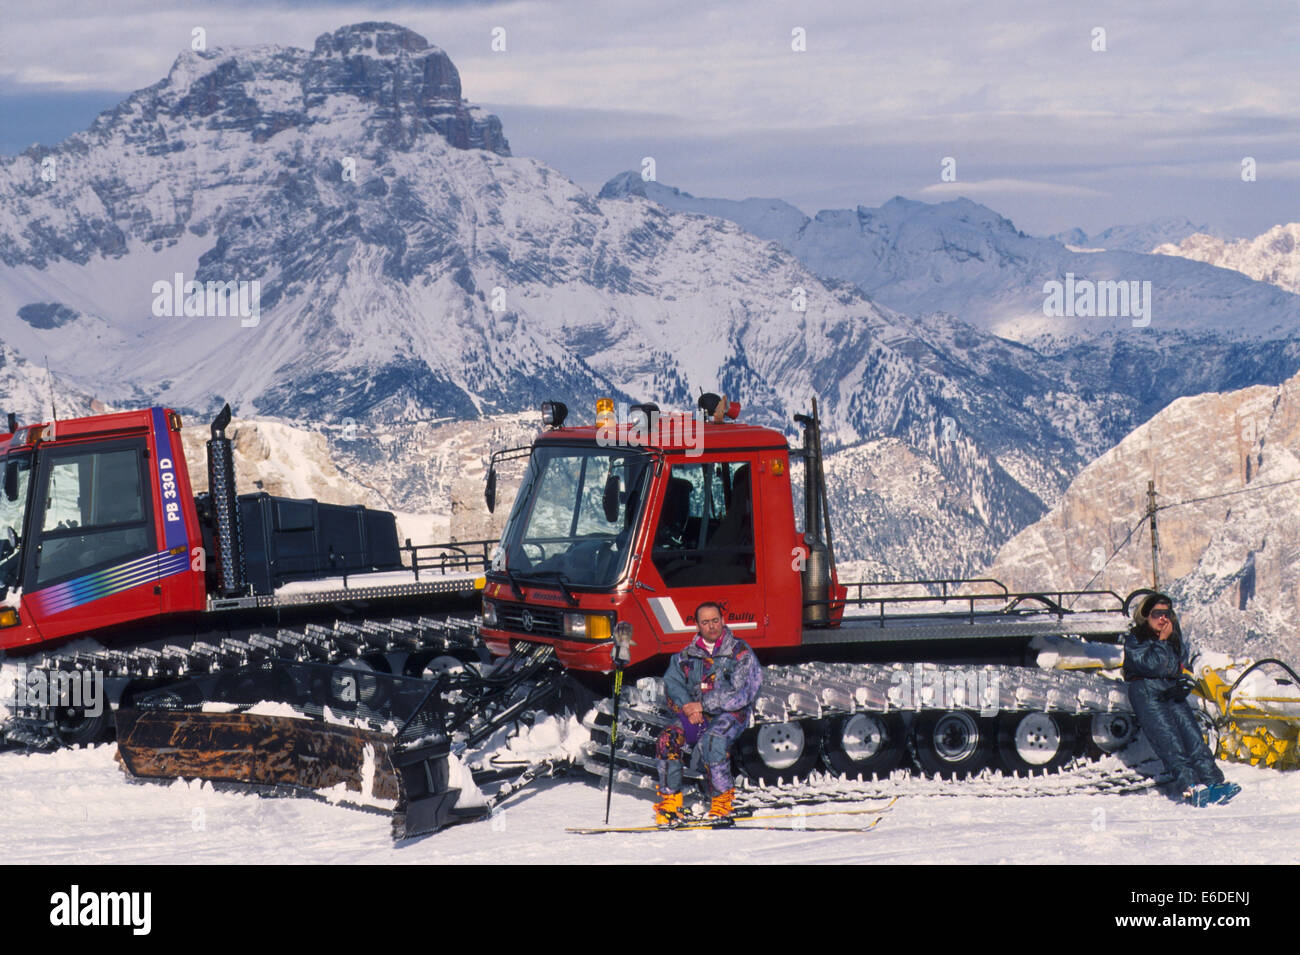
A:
11, 480
610, 500
490, 492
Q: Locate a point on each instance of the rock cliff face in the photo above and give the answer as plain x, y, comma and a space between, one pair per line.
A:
1227, 473
1273, 257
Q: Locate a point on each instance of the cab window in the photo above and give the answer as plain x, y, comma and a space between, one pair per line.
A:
705, 534
93, 511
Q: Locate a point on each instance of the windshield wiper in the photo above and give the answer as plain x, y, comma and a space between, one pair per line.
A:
517, 589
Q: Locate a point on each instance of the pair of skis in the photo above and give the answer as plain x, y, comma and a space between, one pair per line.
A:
745, 822
1216, 794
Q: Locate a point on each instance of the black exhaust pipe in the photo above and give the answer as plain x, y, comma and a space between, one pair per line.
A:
232, 577
820, 561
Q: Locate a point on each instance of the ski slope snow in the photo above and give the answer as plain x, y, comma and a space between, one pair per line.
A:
77, 807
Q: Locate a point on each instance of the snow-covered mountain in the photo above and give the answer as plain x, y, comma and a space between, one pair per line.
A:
773, 219
26, 390
1273, 257
1226, 468
401, 276
442, 282
963, 259
1138, 237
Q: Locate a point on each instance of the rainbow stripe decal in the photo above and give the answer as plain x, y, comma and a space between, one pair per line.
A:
109, 581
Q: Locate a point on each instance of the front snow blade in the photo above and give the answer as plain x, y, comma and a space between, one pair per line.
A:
405, 768
341, 763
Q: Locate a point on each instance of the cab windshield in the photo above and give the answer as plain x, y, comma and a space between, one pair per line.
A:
17, 469
576, 514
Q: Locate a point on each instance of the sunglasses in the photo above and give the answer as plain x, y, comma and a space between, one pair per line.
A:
1157, 614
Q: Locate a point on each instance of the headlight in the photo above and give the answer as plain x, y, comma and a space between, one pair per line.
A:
587, 626
489, 614
554, 413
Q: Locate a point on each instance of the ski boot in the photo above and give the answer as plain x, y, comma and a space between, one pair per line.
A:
1198, 795
668, 810
1221, 793
720, 809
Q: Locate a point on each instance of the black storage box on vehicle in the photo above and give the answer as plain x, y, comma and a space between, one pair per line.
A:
287, 539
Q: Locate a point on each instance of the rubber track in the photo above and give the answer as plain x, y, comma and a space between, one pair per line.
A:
823, 690
156, 665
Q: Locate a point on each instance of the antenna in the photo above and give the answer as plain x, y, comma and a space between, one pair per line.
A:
49, 380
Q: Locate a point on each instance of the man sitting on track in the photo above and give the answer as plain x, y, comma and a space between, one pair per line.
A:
712, 685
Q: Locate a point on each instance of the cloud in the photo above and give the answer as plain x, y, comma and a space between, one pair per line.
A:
1006, 187
1011, 88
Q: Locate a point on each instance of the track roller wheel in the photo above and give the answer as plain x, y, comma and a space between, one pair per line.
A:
75, 727
1111, 732
430, 664
864, 743
953, 743
1035, 742
775, 751
444, 663
358, 682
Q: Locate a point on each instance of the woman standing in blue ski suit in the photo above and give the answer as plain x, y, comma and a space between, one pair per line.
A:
1155, 659
712, 684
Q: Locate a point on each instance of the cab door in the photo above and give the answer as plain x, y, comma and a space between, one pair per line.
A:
94, 559
705, 547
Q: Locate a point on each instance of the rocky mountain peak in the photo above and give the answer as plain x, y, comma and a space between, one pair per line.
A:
371, 38
411, 86
389, 78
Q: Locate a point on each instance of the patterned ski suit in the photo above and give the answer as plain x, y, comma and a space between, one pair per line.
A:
726, 682
1152, 669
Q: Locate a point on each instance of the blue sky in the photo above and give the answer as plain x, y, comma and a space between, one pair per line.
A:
1043, 127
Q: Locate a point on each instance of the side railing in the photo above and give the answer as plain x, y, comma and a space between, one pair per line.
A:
449, 558
950, 599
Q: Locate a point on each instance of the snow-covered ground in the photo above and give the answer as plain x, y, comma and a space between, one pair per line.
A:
76, 806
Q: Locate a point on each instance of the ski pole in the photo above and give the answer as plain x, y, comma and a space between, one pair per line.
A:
621, 656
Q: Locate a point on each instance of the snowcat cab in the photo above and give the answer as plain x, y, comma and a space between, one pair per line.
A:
643, 520
96, 535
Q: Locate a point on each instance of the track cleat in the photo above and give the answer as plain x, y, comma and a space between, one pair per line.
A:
668, 810
720, 806
1221, 793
